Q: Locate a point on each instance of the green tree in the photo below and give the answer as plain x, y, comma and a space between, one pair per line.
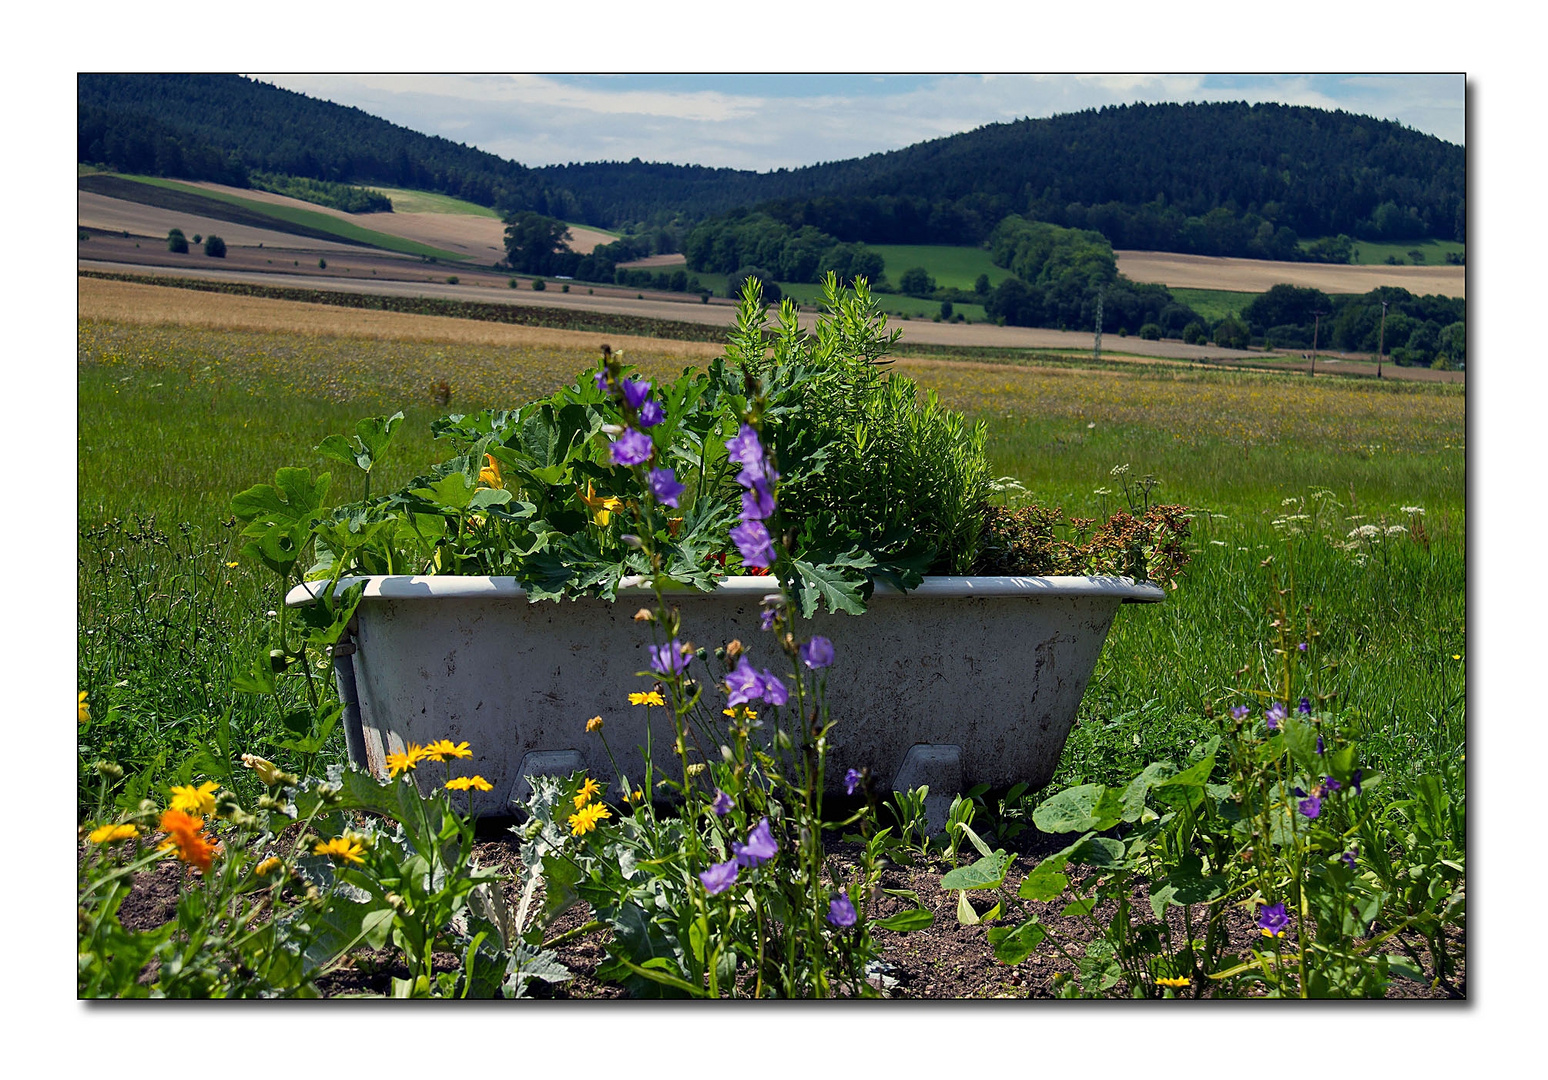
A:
771, 291
532, 241
981, 286
1232, 333
1452, 344
177, 243
916, 281
215, 247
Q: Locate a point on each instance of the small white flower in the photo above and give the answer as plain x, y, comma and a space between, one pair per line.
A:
1413, 510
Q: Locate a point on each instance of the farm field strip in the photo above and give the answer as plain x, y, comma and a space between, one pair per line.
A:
616, 301
304, 219
1257, 275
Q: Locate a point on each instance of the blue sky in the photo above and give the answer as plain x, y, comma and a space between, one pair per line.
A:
772, 121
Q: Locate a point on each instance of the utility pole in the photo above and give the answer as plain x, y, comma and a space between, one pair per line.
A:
1096, 349
1381, 342
1315, 327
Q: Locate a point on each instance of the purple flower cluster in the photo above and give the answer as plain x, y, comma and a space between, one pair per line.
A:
760, 848
1241, 711
757, 477
745, 684
1275, 716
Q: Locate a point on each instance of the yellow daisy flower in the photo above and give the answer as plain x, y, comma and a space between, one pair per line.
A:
463, 783
82, 709
403, 762
346, 848
112, 834
585, 819
1175, 983
652, 697
741, 711
442, 749
267, 867
199, 801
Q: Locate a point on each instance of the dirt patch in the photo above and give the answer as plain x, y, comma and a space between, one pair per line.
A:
1257, 275
945, 961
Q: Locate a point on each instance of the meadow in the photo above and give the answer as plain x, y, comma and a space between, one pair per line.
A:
174, 420
1374, 253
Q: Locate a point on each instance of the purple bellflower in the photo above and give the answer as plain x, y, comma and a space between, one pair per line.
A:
852, 781
1311, 806
664, 486
1348, 859
757, 503
1354, 780
760, 846
722, 804
817, 653
635, 391
744, 683
774, 691
1274, 716
667, 659
841, 912
753, 542
632, 447
651, 413
600, 380
1304, 708
1272, 920
720, 877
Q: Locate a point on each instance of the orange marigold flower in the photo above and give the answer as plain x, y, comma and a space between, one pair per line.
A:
463, 783
185, 835
442, 749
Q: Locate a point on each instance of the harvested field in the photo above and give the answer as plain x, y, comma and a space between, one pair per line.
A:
655, 262
152, 305
1257, 275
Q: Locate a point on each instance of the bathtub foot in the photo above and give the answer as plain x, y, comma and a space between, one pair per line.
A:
543, 763
940, 766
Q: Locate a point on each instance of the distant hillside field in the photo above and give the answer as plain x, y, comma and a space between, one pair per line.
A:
1258, 275
952, 267
271, 213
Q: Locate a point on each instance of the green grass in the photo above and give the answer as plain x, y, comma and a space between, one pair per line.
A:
1214, 304
951, 267
171, 422
312, 220
405, 201
1371, 253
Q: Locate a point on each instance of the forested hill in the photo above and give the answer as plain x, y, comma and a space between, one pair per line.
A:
220, 127
1218, 179
1134, 172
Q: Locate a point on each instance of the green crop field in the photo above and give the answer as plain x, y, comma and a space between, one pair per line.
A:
951, 267
173, 421
1214, 304
254, 212
1372, 253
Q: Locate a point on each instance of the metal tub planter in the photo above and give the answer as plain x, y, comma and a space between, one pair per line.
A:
964, 680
